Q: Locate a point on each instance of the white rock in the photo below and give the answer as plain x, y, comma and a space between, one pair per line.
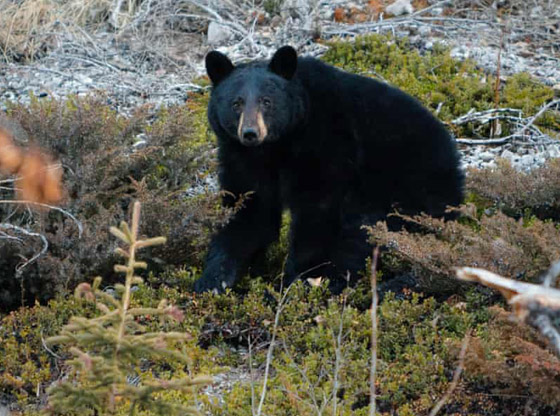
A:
400, 7
489, 165
536, 12
508, 154
527, 161
84, 79
218, 34
437, 11
424, 30
486, 156
553, 152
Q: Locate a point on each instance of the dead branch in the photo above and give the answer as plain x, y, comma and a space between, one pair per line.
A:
115, 14
456, 376
28, 233
514, 291
539, 305
503, 113
374, 301
55, 208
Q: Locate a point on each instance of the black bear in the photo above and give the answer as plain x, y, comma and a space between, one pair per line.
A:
337, 149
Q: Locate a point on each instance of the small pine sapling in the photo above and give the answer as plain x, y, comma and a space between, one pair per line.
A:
106, 349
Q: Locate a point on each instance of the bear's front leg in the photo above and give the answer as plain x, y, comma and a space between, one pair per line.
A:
314, 229
252, 229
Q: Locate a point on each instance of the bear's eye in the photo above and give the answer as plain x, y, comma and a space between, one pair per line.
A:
266, 102
237, 105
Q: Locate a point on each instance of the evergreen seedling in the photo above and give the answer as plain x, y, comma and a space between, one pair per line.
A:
108, 348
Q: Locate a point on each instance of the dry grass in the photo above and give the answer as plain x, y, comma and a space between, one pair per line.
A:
29, 27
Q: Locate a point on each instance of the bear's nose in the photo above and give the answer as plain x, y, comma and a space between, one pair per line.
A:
250, 135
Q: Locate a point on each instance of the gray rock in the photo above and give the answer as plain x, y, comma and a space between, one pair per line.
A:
400, 7
218, 34
486, 156
424, 30
437, 11
507, 154
84, 79
527, 161
553, 152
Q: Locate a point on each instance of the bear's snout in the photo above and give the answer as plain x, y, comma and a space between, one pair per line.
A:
252, 129
250, 136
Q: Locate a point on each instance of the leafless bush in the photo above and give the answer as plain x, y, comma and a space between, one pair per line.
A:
517, 193
518, 248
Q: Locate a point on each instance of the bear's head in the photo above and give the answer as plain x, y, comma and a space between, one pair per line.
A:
254, 103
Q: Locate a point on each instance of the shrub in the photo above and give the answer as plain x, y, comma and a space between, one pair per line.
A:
519, 248
519, 193
450, 86
511, 359
103, 172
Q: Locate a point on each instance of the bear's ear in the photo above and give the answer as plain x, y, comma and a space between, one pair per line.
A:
284, 62
218, 66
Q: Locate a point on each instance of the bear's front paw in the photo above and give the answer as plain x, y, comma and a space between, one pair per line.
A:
214, 281
208, 285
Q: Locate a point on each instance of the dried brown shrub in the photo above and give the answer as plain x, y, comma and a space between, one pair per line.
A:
515, 192
103, 173
518, 248
510, 358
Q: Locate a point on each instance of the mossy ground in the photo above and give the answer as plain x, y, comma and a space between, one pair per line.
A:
508, 368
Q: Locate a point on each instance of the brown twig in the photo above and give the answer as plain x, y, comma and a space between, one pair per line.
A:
374, 301
456, 377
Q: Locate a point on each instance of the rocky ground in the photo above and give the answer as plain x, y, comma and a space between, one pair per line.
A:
135, 64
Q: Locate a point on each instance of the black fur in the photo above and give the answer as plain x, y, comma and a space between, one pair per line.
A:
341, 151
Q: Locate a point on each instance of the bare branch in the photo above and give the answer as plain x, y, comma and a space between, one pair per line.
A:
513, 290
73, 218
28, 233
536, 304
270, 350
484, 117
456, 377
374, 301
551, 275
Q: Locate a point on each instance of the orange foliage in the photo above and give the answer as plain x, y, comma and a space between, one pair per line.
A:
514, 359
375, 7
339, 14
353, 14
38, 179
